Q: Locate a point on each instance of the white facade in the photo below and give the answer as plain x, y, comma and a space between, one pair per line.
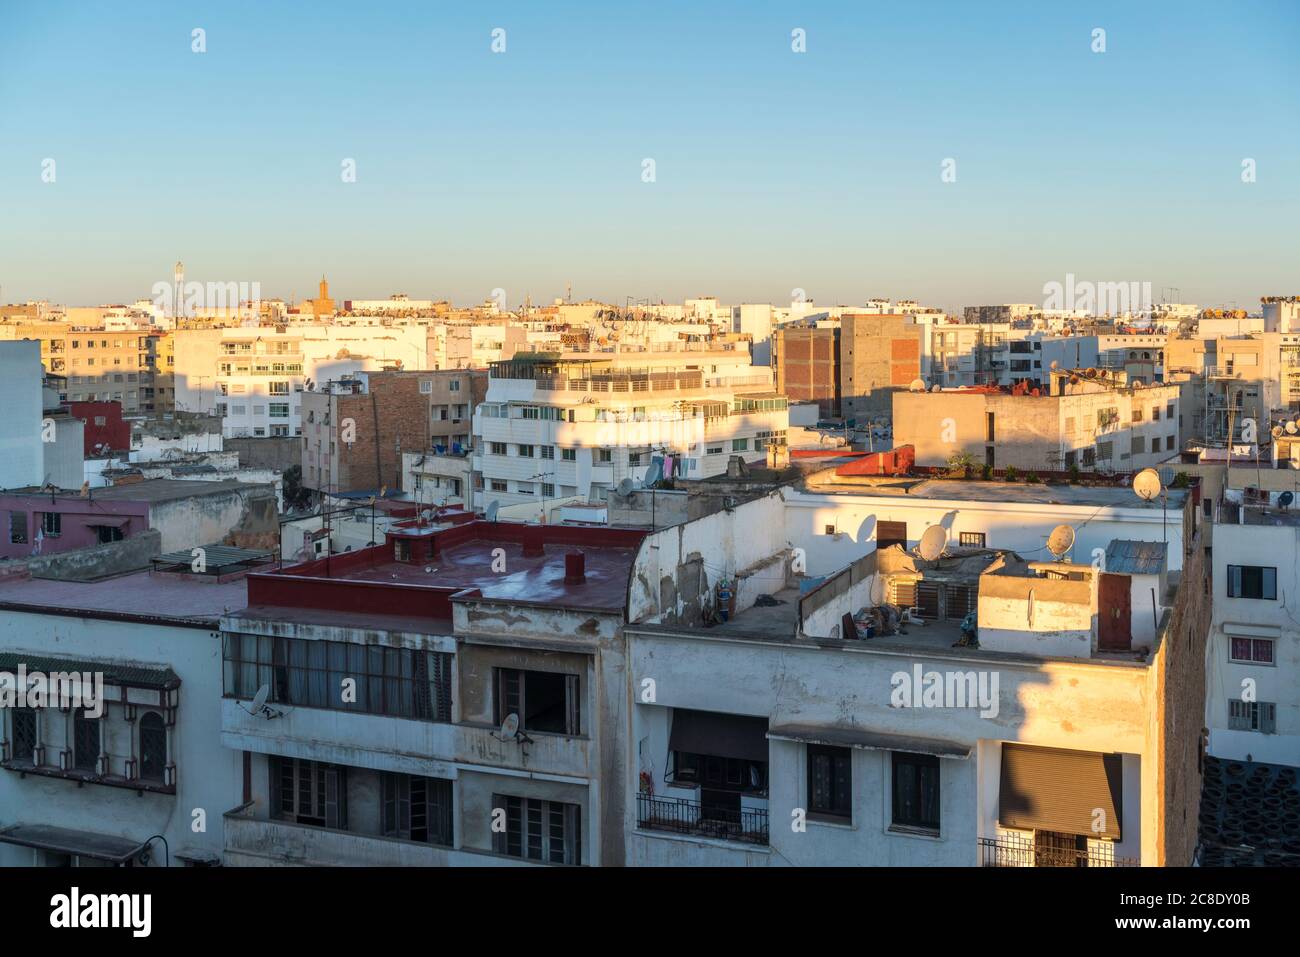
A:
1253, 658
543, 437
22, 459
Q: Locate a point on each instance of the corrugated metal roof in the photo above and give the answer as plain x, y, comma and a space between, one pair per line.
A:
1127, 557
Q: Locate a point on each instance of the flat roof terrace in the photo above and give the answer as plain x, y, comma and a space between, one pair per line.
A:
417, 571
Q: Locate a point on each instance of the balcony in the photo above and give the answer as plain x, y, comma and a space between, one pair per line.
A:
254, 840
1013, 851
694, 818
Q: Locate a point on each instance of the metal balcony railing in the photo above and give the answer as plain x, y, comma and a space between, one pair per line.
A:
748, 825
1008, 851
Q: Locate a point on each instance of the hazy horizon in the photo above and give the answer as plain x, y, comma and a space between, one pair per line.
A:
774, 170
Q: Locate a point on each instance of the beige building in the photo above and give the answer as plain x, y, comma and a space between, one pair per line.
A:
1095, 424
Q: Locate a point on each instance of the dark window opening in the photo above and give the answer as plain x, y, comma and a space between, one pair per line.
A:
153, 747
1252, 581
916, 790
417, 808
539, 830
24, 726
545, 701
830, 782
85, 742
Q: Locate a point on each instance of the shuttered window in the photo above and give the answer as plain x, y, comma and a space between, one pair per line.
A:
1073, 792
539, 830
904, 594
927, 599
962, 600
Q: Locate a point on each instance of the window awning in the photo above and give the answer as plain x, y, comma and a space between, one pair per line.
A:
1073, 792
108, 522
719, 735
63, 840
840, 737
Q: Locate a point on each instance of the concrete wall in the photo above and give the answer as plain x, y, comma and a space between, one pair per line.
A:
207, 519
21, 456
99, 561
1019, 527
276, 453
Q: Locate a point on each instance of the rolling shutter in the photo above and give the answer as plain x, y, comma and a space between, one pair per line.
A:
1054, 790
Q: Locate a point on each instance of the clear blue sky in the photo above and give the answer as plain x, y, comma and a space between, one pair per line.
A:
775, 170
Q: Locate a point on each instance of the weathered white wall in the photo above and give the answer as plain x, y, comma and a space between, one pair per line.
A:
1087, 706
208, 776
21, 456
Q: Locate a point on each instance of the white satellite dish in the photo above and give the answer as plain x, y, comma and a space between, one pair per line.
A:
1060, 541
510, 727
933, 541
1291, 427
491, 512
626, 487
936, 388
259, 699
1277, 431
916, 385
1146, 484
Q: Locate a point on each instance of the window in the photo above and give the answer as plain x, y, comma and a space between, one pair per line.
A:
18, 528
417, 808
604, 456
498, 485
85, 742
1137, 415
1155, 413
153, 748
525, 451
539, 830
398, 682
740, 445
524, 488
497, 448
528, 412
279, 410
1258, 716
713, 450
107, 533
974, 539
829, 529
24, 735
830, 782
916, 790
1252, 581
51, 524
426, 387
633, 459
1251, 650
308, 792
453, 385
568, 455
1139, 445
548, 490
545, 701
547, 451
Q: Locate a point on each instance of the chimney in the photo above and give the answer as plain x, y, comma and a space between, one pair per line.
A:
575, 568
534, 541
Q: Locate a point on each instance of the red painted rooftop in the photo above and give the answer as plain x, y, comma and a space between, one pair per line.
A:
458, 559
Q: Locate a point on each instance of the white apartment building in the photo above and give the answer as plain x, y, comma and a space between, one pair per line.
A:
580, 424
253, 376
1253, 659
770, 737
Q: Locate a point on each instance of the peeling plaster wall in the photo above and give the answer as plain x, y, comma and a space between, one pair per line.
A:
677, 568
208, 519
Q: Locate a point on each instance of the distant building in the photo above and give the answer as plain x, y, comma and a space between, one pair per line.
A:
22, 457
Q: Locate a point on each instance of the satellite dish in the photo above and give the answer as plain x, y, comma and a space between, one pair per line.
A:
933, 541
626, 487
510, 726
1167, 476
1146, 484
917, 385
1277, 431
427, 515
1291, 427
259, 699
491, 512
1054, 365
936, 387
877, 590
1090, 373
1060, 541
1284, 500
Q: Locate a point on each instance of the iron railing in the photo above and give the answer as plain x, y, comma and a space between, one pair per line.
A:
1011, 851
681, 816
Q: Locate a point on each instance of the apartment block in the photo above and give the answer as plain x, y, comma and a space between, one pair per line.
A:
879, 356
